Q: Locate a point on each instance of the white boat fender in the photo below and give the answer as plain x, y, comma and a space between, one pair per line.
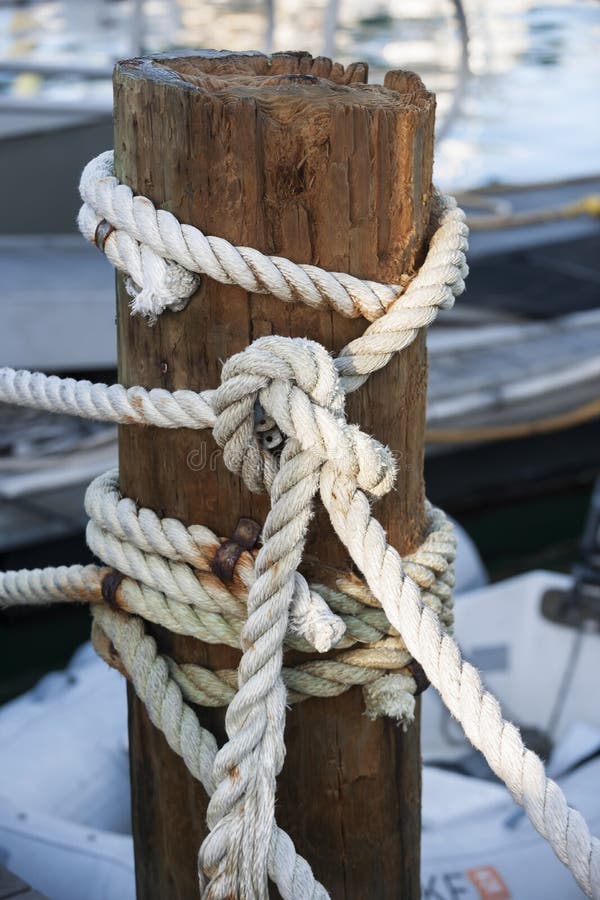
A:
81, 713
485, 852
65, 860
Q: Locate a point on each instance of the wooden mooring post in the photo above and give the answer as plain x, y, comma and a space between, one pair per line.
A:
300, 158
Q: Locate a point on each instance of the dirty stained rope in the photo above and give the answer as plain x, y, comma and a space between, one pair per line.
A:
301, 391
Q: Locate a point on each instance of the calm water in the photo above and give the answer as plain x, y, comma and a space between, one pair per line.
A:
531, 107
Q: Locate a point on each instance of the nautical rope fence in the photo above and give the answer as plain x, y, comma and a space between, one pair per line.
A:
158, 570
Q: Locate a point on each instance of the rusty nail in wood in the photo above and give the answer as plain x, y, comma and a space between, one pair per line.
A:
246, 533
244, 537
419, 675
110, 584
103, 231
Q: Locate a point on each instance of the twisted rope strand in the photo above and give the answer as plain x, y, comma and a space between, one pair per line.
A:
242, 807
107, 403
459, 683
317, 678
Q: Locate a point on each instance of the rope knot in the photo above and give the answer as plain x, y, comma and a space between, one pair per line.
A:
295, 385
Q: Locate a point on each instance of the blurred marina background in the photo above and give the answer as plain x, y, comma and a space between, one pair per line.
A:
514, 387
513, 79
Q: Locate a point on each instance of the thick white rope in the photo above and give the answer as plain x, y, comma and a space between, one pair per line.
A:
319, 445
302, 398
162, 257
107, 403
458, 683
296, 383
359, 666
302, 391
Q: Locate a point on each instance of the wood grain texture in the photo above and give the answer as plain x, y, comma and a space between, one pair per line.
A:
301, 158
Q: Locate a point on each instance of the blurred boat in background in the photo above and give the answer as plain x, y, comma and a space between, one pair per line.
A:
45, 463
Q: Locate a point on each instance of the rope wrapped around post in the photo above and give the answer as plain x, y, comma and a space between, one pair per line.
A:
163, 571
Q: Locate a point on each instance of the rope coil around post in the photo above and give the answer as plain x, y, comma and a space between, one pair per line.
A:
401, 612
148, 551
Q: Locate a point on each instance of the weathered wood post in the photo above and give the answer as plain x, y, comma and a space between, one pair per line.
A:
300, 158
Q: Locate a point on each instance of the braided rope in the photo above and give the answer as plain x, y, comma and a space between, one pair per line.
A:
163, 566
